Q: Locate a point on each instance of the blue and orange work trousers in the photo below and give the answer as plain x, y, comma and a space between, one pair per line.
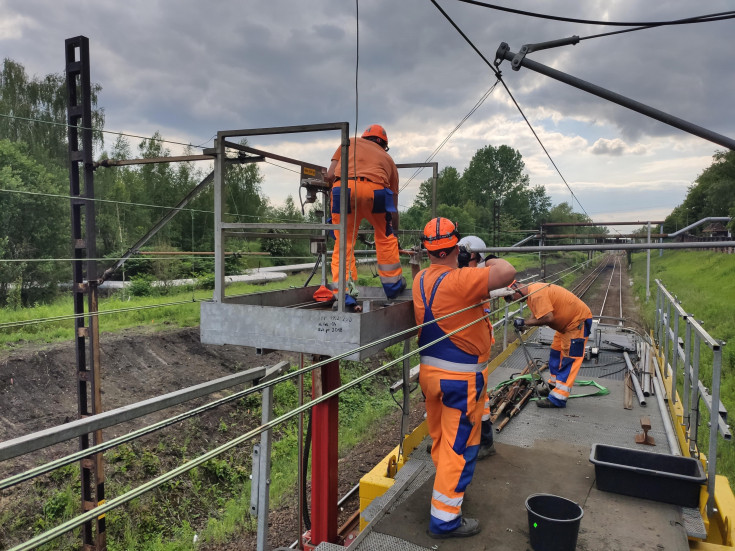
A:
374, 203
454, 406
565, 359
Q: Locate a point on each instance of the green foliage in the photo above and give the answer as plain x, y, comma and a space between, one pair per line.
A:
712, 194
31, 226
494, 184
42, 99
141, 286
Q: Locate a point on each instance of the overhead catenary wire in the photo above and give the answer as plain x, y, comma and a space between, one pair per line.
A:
80, 127
498, 75
689, 20
146, 205
132, 494
120, 500
434, 153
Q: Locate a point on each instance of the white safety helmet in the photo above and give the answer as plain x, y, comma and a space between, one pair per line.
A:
468, 246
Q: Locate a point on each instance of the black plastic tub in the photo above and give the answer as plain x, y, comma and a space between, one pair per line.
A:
666, 478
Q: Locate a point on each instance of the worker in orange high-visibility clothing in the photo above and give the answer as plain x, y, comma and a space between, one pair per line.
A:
373, 195
571, 318
452, 371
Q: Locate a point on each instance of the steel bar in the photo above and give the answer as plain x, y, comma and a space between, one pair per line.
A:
294, 129
713, 428
129, 437
48, 437
699, 223
268, 155
277, 226
613, 247
563, 224
406, 395
504, 52
666, 416
599, 236
106, 163
264, 459
634, 378
157, 226
219, 208
201, 253
643, 360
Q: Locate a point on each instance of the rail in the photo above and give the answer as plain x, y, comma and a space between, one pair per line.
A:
673, 350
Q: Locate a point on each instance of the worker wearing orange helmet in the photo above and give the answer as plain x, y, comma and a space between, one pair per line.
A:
563, 311
373, 195
452, 371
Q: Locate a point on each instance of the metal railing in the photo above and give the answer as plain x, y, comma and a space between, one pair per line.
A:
683, 360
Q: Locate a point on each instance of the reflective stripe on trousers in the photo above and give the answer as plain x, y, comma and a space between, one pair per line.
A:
565, 360
454, 405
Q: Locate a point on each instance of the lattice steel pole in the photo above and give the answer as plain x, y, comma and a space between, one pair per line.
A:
84, 269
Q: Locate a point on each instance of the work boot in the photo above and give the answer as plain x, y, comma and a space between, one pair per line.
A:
546, 403
486, 451
544, 390
468, 527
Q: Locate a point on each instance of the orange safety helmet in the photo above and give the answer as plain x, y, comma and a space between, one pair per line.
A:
440, 233
376, 131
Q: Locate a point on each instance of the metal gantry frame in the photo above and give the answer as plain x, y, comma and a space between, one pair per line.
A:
673, 349
222, 228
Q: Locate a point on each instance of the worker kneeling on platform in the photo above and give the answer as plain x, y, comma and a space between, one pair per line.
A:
563, 311
452, 373
372, 194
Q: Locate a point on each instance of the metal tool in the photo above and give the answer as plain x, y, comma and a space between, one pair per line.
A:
532, 367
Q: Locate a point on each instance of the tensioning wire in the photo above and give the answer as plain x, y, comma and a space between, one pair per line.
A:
162, 479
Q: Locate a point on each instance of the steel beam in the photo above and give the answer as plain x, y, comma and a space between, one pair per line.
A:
84, 270
324, 445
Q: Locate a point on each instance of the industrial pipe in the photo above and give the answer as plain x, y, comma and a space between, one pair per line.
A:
668, 427
634, 378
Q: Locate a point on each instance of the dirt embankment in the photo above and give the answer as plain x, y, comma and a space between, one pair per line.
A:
38, 386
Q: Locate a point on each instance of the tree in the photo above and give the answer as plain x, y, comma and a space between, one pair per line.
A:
712, 194
282, 249
37, 113
496, 178
448, 190
31, 226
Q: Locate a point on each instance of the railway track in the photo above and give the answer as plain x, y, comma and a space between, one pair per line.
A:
602, 289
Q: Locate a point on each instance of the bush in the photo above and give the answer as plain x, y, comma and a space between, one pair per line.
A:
141, 285
205, 281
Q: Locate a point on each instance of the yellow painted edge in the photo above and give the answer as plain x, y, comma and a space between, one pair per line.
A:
375, 483
719, 527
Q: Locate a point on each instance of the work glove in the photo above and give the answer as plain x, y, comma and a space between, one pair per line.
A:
502, 292
519, 323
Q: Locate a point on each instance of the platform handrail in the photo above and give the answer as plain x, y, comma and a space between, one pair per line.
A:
672, 349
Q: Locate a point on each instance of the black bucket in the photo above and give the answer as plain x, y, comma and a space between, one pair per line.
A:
553, 522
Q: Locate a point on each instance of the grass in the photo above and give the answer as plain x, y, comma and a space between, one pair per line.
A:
704, 283
213, 500
144, 312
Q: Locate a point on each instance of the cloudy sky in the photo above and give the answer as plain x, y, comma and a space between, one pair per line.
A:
189, 69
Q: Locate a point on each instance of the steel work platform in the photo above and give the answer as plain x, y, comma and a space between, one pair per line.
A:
291, 320
541, 451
